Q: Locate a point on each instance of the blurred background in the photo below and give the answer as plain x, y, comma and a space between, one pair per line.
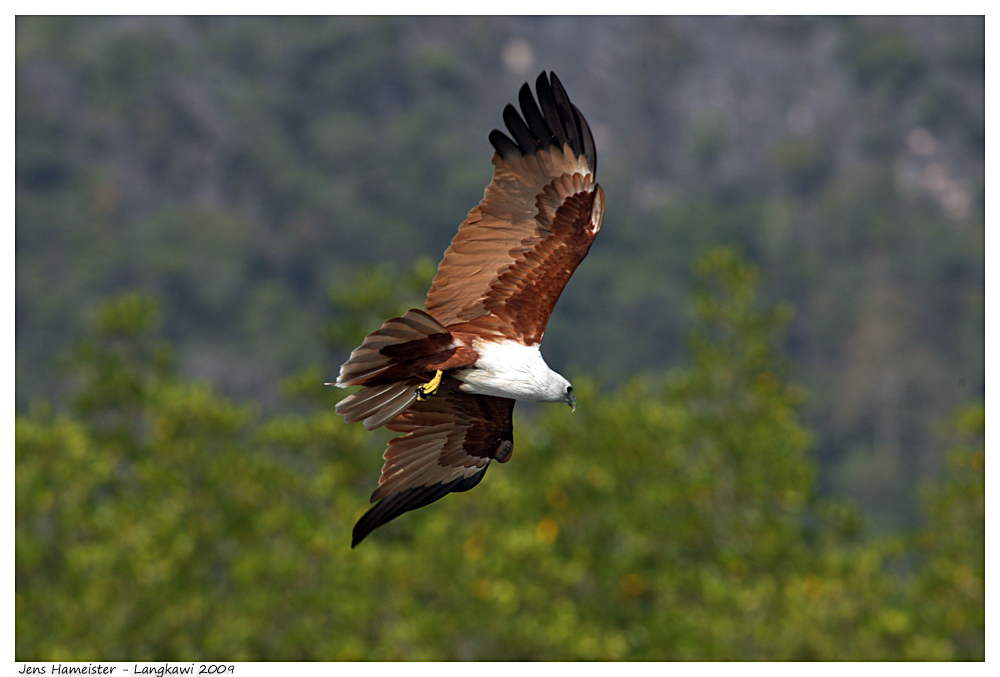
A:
778, 339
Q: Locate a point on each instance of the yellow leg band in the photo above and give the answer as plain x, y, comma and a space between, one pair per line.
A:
429, 388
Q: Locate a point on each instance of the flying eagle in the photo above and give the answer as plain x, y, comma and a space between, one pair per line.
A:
448, 375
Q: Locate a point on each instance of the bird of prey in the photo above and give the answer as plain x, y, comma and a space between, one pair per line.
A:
448, 375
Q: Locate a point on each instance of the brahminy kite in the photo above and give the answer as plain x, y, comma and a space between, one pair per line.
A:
448, 375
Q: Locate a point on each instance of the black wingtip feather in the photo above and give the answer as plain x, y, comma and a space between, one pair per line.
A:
519, 131
549, 109
566, 117
392, 507
533, 116
503, 145
589, 149
552, 122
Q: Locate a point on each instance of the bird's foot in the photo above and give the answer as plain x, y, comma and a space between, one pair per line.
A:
429, 388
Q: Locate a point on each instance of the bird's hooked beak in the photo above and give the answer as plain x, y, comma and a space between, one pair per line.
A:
571, 398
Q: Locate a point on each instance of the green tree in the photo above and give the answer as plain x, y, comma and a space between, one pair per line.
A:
157, 520
948, 591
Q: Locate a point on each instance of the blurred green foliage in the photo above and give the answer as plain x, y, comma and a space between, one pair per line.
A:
952, 583
376, 295
672, 518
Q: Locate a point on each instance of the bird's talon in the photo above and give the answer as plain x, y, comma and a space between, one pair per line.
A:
429, 388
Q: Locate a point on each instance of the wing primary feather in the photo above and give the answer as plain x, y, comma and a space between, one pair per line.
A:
565, 114
411, 499
381, 513
533, 116
466, 483
549, 109
503, 145
589, 149
519, 130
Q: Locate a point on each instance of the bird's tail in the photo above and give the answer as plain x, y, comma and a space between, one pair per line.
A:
391, 364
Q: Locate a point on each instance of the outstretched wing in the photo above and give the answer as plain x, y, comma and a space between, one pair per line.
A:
513, 255
450, 440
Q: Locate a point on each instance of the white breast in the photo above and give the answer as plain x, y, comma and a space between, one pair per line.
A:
513, 370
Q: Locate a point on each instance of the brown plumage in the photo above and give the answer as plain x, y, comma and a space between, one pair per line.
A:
449, 442
485, 314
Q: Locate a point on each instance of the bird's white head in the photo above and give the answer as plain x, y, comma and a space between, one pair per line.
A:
510, 369
560, 390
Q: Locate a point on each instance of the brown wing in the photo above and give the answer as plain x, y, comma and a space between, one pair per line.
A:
450, 440
513, 255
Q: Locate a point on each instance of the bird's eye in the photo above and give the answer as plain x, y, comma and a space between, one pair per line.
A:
569, 390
